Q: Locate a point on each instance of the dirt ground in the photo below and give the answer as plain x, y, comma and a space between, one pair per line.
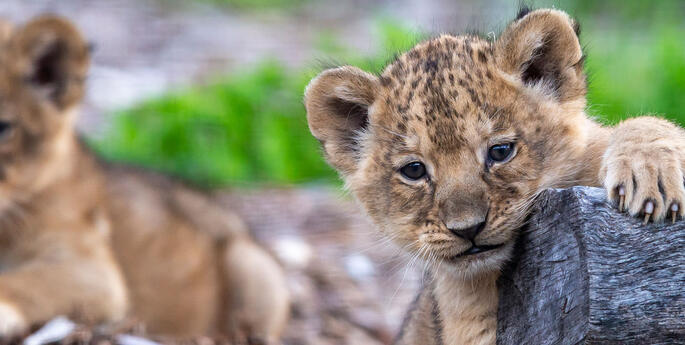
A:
348, 286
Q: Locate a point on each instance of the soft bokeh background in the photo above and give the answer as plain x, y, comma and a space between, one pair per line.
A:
211, 91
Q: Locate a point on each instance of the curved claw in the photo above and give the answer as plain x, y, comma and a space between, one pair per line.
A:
674, 212
649, 209
621, 198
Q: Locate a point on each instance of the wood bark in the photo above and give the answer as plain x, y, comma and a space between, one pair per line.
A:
583, 273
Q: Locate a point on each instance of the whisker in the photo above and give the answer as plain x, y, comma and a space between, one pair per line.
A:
393, 132
404, 276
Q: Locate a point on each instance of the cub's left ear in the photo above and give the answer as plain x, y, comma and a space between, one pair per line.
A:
542, 49
50, 56
337, 103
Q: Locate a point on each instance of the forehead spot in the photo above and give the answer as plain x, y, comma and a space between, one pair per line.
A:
482, 57
442, 84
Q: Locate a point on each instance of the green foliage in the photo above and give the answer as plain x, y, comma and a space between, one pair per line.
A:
637, 75
250, 127
245, 128
635, 56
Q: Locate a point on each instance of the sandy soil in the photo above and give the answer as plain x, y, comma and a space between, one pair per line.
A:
348, 285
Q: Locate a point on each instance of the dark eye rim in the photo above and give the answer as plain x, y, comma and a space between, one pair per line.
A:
512, 151
423, 174
6, 128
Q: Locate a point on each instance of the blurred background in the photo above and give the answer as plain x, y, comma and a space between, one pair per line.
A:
211, 91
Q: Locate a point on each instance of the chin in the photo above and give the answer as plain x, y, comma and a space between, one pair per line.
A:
473, 266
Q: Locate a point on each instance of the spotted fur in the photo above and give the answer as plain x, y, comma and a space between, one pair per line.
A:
445, 103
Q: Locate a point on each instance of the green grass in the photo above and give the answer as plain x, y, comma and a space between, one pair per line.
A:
648, 77
250, 127
635, 56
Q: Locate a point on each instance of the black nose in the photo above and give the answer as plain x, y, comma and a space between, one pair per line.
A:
469, 233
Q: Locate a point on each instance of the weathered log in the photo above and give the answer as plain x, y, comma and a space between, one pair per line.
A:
587, 274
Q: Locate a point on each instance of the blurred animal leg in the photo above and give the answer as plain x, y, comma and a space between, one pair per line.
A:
256, 298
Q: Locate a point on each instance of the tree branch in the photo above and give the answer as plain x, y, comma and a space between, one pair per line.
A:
585, 274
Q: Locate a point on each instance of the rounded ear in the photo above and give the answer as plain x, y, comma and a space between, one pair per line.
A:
50, 56
337, 103
542, 49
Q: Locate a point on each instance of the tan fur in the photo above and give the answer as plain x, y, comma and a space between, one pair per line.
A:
96, 241
444, 103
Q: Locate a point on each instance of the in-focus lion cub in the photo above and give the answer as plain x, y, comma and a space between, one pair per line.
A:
95, 241
448, 147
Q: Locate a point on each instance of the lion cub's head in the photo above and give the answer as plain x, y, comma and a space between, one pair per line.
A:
447, 148
42, 69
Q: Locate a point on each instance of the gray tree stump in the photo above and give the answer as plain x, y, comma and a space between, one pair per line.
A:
586, 274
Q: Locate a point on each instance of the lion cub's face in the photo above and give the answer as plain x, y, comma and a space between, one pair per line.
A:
42, 67
448, 147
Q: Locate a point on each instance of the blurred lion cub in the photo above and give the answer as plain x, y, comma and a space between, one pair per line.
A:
95, 241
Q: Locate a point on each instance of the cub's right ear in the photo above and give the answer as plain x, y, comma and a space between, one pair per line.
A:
50, 56
541, 48
337, 103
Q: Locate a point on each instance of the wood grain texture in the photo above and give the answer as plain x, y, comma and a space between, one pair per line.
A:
586, 274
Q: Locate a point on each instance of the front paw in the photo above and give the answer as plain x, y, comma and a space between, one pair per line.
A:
12, 323
645, 180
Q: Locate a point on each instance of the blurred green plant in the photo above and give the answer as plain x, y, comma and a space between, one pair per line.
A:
637, 75
245, 128
635, 56
250, 127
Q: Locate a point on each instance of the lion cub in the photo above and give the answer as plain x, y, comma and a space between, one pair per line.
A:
449, 146
96, 241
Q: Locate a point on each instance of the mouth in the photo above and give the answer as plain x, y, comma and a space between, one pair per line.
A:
477, 250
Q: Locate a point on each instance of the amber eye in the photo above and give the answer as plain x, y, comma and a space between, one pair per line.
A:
500, 152
413, 170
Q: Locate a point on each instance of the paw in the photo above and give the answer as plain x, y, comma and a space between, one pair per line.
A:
645, 180
12, 323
